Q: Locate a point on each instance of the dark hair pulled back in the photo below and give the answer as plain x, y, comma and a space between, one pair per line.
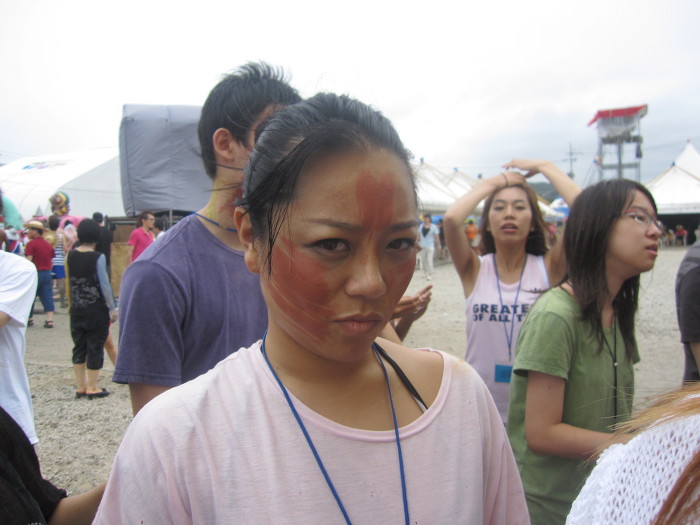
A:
325, 124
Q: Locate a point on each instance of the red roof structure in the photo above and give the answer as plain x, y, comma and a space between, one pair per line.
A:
621, 112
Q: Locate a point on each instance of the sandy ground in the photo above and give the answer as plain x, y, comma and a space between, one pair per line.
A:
78, 438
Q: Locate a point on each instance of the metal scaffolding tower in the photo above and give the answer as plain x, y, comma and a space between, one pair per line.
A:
616, 129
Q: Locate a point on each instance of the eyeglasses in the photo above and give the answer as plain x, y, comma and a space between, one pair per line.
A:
641, 217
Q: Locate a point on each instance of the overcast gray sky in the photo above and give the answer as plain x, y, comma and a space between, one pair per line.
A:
467, 86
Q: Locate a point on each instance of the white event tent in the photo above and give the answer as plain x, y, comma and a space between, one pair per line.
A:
438, 190
677, 190
434, 195
89, 178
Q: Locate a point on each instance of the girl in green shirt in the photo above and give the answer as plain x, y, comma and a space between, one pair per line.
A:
573, 378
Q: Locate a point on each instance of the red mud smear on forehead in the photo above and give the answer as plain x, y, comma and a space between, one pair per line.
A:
299, 289
375, 199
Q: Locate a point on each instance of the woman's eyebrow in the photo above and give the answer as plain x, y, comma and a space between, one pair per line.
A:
515, 201
341, 225
642, 208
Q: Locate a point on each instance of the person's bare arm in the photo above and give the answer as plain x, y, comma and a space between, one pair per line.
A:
408, 309
565, 185
79, 509
463, 256
4, 319
403, 324
544, 431
411, 303
142, 393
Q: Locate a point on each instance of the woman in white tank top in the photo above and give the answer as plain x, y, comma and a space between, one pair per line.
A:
513, 268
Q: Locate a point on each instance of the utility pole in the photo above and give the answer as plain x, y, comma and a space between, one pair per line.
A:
571, 160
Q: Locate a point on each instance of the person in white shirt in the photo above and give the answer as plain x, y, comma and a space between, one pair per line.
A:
651, 474
18, 282
429, 239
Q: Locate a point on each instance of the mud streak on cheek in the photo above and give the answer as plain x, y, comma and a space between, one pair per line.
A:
404, 271
375, 198
299, 289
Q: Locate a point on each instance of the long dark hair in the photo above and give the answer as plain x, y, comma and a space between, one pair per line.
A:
586, 238
325, 124
536, 243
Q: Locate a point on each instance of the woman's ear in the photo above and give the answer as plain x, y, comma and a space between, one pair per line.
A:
245, 234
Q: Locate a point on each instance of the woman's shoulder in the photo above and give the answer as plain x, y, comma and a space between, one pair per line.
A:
433, 372
556, 300
410, 357
232, 380
555, 309
424, 367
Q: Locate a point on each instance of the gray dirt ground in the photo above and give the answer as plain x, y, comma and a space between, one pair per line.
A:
78, 438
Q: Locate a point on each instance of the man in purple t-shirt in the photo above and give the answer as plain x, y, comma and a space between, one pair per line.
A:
189, 300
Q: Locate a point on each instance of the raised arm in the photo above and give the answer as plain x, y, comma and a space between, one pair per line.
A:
463, 256
565, 185
555, 260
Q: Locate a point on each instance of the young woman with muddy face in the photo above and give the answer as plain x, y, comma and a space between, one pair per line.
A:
573, 376
321, 421
514, 267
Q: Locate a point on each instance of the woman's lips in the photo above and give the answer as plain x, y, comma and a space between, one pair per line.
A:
359, 325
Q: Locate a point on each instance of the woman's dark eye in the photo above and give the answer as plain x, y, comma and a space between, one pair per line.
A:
331, 244
402, 244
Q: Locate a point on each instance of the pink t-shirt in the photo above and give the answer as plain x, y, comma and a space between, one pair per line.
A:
225, 448
140, 240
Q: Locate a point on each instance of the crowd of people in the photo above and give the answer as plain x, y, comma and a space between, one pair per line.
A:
275, 387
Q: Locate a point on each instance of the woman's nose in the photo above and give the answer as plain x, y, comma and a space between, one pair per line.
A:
366, 278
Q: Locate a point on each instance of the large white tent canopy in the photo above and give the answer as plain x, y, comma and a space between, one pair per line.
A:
164, 174
677, 190
433, 194
89, 178
438, 190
